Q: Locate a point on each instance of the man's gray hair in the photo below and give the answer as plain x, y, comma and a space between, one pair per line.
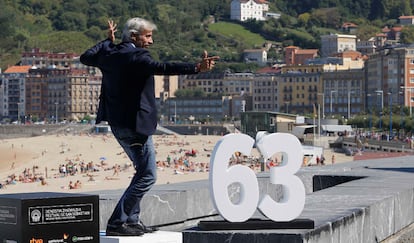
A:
136, 25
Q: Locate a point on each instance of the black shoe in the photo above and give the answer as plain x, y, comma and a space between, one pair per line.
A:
124, 230
145, 229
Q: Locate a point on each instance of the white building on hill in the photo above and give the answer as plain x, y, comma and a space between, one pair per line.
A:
243, 10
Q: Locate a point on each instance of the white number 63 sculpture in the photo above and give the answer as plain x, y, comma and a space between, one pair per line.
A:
221, 176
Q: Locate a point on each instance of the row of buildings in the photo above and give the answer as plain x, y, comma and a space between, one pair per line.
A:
344, 77
57, 87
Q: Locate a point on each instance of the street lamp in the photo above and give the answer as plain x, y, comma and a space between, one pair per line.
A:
409, 101
382, 98
323, 104
401, 114
370, 114
409, 97
287, 106
18, 112
349, 104
382, 106
175, 112
332, 91
56, 111
390, 100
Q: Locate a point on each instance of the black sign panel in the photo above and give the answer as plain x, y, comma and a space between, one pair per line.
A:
49, 218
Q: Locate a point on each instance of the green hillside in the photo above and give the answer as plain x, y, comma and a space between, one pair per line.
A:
184, 28
232, 31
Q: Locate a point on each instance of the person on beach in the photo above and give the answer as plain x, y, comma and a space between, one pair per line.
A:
127, 103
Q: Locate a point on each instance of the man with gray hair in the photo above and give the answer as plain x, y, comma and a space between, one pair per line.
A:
127, 103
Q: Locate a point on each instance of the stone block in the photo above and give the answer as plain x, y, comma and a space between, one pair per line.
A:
156, 237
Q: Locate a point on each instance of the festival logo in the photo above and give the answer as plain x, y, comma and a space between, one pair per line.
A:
36, 215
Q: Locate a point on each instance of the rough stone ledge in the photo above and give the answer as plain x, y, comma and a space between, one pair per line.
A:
361, 201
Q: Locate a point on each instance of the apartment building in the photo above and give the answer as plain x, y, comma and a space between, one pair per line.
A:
49, 86
12, 93
390, 77
265, 92
336, 43
40, 59
299, 87
343, 92
222, 83
61, 94
295, 56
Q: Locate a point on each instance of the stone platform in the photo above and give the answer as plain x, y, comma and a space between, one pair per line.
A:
156, 237
361, 201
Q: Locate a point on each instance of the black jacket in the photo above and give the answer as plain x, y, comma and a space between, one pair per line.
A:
127, 93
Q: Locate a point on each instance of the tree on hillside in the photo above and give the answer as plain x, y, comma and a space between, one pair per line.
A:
400, 8
326, 17
407, 35
378, 10
366, 31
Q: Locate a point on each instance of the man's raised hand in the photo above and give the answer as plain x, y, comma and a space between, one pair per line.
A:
207, 62
111, 30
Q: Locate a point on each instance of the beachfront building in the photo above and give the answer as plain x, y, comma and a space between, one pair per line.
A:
13, 93
298, 89
343, 92
265, 92
57, 94
219, 83
187, 110
40, 59
49, 86
234, 87
390, 77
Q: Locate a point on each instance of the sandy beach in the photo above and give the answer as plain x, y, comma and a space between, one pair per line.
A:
99, 163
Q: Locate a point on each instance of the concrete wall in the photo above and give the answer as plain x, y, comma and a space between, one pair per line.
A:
364, 201
16, 131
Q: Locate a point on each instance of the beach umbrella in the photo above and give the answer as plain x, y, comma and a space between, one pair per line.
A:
102, 158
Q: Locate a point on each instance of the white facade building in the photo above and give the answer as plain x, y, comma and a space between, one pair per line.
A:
13, 92
335, 43
243, 10
258, 56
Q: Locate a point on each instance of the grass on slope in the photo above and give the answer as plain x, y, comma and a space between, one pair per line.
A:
237, 32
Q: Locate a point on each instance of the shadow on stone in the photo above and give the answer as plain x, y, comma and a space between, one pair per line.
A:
321, 182
256, 224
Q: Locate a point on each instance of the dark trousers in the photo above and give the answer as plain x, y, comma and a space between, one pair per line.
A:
140, 149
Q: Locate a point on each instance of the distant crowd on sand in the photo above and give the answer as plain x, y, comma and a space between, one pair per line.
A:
28, 175
71, 168
180, 160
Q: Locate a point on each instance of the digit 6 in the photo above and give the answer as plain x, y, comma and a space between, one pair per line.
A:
221, 176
